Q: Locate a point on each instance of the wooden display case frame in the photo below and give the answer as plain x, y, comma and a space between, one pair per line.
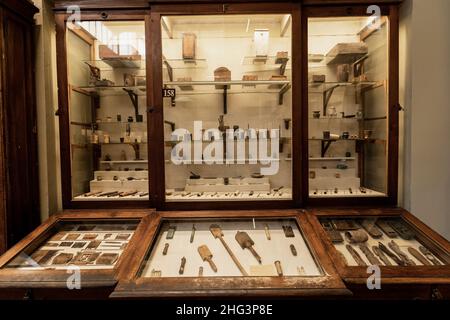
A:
352, 9
131, 285
423, 282
98, 283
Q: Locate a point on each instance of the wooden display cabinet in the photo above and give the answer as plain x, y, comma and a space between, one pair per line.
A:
162, 248
25, 275
425, 279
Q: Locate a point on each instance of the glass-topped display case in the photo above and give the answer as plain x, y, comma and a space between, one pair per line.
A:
107, 104
348, 90
228, 107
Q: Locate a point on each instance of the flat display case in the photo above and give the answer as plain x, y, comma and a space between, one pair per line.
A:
413, 260
229, 253
74, 254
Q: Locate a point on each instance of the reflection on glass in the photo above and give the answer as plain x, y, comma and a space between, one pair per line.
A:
347, 94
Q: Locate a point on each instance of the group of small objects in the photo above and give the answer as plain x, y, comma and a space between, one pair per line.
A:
245, 242
81, 245
357, 233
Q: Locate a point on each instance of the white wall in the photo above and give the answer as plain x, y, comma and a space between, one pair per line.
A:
425, 94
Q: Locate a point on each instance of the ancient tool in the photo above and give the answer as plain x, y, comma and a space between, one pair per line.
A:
200, 271
386, 228
335, 236
301, 270
206, 255
427, 253
355, 256
344, 224
128, 193
166, 247
92, 193
293, 250
246, 242
369, 254
266, 229
402, 229
171, 232
394, 246
155, 273
391, 255
182, 265
192, 234
416, 254
278, 267
217, 233
63, 258
356, 236
381, 255
370, 226
288, 232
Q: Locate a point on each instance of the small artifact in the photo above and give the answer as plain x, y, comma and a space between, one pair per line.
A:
72, 236
200, 271
266, 229
402, 229
246, 242
293, 250
356, 256
217, 233
335, 236
63, 258
381, 255
301, 271
90, 236
281, 57
115, 178
318, 78
370, 226
394, 246
345, 135
107, 157
249, 77
337, 175
128, 193
93, 244
335, 190
192, 234
166, 248
386, 228
416, 254
99, 178
182, 265
65, 244
343, 72
326, 135
312, 174
344, 224
356, 236
130, 119
79, 245
350, 190
369, 255
194, 176
257, 175
107, 259
43, 256
316, 114
189, 42
85, 257
206, 255
119, 118
222, 74
391, 255
278, 267
171, 232
367, 134
261, 42
427, 253
288, 232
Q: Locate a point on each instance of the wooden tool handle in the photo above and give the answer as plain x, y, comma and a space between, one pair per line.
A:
255, 254
236, 261
212, 264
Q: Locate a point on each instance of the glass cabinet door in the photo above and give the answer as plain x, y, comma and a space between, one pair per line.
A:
108, 123
347, 106
227, 107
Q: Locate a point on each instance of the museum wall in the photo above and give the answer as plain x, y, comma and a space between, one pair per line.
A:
425, 95
424, 183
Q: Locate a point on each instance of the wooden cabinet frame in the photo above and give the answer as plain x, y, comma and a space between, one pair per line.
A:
406, 282
51, 282
132, 286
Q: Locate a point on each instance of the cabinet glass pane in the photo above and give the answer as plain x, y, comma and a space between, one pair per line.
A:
88, 245
230, 248
347, 106
108, 123
228, 123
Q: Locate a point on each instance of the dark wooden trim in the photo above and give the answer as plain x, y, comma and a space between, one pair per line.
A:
23, 8
228, 205
390, 274
348, 2
132, 286
60, 5
3, 163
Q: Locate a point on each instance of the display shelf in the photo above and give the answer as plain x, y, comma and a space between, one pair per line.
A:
356, 192
111, 64
186, 63
109, 90
115, 198
286, 194
220, 85
325, 86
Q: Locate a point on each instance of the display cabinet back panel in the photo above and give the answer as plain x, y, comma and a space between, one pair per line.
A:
252, 48
347, 107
